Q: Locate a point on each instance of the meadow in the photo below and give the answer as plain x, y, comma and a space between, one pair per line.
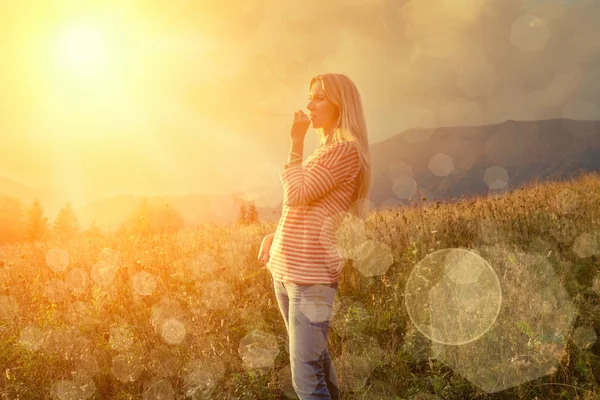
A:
193, 314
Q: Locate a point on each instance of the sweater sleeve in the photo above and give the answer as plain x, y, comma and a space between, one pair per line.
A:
304, 185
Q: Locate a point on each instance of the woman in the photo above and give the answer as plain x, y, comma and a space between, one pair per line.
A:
317, 193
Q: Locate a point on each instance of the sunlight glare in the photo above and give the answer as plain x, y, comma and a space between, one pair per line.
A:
84, 47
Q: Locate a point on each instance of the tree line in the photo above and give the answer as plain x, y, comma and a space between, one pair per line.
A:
20, 224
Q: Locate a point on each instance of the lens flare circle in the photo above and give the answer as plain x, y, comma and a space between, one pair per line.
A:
453, 296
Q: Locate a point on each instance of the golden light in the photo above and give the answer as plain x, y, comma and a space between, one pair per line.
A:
85, 96
85, 48
104, 90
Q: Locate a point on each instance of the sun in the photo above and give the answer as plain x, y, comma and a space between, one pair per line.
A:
84, 95
85, 48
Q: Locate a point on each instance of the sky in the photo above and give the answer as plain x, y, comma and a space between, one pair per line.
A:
173, 97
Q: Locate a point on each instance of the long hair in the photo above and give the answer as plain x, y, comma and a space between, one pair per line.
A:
351, 126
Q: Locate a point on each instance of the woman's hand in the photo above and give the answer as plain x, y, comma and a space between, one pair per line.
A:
299, 126
265, 247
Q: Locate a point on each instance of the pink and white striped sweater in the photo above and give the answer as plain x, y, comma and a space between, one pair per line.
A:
316, 196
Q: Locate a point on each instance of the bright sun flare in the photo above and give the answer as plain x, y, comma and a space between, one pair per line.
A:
84, 48
86, 91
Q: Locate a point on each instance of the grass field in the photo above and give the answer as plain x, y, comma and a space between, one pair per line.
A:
193, 314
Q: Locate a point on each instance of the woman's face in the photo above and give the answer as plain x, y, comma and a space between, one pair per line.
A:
322, 112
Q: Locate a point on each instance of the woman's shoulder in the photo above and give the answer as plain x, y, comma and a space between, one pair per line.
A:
335, 153
343, 147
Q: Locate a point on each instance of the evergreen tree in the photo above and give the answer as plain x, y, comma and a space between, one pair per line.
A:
242, 216
252, 214
37, 227
66, 224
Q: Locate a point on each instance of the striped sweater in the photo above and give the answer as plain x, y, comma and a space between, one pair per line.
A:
316, 196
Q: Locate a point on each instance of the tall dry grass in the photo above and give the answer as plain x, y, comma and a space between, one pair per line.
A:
194, 315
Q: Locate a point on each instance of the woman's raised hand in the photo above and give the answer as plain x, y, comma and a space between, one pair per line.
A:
299, 126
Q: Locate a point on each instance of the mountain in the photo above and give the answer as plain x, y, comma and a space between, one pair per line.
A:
13, 189
452, 162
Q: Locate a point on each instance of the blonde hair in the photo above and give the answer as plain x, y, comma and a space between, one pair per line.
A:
351, 126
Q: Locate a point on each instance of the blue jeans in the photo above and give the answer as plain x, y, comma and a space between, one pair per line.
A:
307, 311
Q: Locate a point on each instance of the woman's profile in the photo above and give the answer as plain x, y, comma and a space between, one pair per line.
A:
301, 255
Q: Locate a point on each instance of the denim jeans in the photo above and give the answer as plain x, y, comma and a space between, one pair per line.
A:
307, 311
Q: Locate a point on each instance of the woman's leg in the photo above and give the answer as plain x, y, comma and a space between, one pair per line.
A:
283, 301
310, 308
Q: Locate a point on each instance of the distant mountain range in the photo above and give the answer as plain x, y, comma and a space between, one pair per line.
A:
14, 189
448, 163
444, 163
50, 199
